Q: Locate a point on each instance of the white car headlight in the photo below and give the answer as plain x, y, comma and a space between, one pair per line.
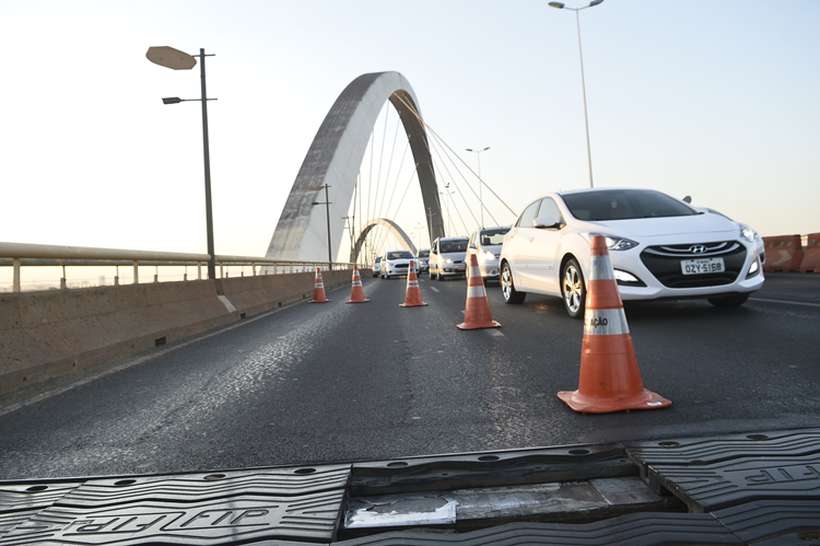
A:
448, 260
748, 233
619, 243
754, 267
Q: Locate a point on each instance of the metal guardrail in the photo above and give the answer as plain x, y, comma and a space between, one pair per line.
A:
20, 255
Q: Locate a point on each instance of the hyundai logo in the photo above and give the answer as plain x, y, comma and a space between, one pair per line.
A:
697, 249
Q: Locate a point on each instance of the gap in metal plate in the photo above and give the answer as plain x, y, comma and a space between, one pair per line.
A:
553, 501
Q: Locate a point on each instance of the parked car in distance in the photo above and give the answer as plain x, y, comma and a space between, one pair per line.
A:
659, 246
423, 260
395, 263
447, 257
486, 245
377, 266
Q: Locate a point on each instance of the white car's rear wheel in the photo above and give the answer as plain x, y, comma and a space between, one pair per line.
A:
573, 289
511, 295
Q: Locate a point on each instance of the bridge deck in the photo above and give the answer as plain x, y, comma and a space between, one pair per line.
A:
339, 382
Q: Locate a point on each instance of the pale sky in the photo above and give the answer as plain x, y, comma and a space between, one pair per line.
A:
714, 99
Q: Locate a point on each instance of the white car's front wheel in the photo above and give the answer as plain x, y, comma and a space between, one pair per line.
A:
573, 289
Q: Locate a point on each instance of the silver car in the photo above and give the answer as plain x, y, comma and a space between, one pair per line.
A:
423, 260
486, 245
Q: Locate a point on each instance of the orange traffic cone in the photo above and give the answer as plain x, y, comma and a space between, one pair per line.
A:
477, 309
356, 290
412, 296
609, 379
319, 295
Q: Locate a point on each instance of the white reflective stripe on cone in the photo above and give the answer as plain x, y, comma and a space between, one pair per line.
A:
601, 269
605, 322
475, 272
413, 284
476, 292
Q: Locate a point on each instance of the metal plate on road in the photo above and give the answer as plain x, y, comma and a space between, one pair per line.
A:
773, 520
702, 266
199, 487
709, 476
32, 495
646, 529
690, 451
225, 521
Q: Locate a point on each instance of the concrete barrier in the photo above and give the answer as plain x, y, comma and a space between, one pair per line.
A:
62, 335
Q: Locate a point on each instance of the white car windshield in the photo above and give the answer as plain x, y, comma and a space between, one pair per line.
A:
490, 237
399, 255
624, 205
459, 245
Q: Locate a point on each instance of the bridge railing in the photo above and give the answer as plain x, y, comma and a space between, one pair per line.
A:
18, 256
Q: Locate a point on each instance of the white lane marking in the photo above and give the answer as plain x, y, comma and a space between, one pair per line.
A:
434, 289
787, 302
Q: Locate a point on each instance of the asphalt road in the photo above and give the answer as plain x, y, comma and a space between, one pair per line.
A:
336, 382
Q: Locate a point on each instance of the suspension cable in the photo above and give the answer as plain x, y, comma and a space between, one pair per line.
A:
376, 210
458, 212
390, 163
370, 178
398, 176
467, 182
395, 183
453, 181
435, 134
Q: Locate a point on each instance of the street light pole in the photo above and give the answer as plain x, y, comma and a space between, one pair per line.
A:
206, 153
477, 152
179, 60
560, 5
327, 203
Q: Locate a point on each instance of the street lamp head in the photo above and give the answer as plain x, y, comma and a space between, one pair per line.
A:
556, 5
595, 3
485, 148
171, 100
469, 150
170, 58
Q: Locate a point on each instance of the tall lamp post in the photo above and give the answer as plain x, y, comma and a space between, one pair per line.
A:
179, 60
327, 204
477, 152
561, 5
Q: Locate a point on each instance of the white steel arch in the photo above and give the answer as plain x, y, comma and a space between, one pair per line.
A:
334, 158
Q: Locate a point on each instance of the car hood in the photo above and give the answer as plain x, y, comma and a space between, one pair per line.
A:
706, 223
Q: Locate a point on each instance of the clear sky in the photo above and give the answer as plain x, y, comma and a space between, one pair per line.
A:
714, 99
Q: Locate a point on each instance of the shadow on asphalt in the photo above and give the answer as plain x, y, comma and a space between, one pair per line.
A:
669, 310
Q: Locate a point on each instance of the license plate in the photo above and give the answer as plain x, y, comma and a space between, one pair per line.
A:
701, 266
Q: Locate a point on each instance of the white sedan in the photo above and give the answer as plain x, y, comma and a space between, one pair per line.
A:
660, 247
395, 263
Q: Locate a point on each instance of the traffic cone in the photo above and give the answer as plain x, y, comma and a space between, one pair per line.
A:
412, 296
477, 309
356, 290
319, 295
609, 379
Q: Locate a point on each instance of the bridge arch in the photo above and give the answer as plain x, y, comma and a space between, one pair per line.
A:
391, 226
334, 158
